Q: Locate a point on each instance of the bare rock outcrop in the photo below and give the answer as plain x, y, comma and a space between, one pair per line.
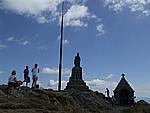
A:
48, 101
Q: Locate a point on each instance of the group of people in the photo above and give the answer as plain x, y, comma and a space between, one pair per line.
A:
13, 82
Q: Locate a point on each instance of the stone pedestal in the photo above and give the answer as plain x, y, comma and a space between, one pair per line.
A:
76, 82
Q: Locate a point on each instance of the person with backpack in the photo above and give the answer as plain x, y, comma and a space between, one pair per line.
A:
35, 73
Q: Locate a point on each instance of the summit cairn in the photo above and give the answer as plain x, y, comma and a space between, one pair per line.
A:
76, 82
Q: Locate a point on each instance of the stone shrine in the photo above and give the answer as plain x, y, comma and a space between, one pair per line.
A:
76, 81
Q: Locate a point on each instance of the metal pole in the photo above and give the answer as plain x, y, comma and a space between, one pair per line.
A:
61, 48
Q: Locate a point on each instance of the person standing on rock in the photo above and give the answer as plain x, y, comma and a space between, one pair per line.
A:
107, 92
35, 73
26, 75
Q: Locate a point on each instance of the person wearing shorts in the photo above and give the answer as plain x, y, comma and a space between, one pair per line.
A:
35, 72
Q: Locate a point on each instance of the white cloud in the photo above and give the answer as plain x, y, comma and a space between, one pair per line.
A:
1, 72
50, 71
30, 7
109, 76
100, 29
24, 42
75, 15
20, 41
65, 41
76, 1
10, 39
44, 11
94, 84
42, 20
76, 12
54, 84
146, 12
55, 71
133, 5
101, 85
2, 46
142, 90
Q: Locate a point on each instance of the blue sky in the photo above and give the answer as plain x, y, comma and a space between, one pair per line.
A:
111, 36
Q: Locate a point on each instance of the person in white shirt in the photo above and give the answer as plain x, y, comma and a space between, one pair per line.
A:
35, 73
12, 81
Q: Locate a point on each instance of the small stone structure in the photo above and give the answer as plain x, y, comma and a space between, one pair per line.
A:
76, 81
123, 92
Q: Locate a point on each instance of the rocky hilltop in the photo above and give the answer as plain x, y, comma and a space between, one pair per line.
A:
29, 100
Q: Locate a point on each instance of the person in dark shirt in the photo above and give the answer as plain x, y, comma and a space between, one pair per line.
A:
26, 75
107, 92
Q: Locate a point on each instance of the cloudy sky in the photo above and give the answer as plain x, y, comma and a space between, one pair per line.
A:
112, 37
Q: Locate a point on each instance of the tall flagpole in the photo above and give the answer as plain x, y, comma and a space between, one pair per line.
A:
61, 48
